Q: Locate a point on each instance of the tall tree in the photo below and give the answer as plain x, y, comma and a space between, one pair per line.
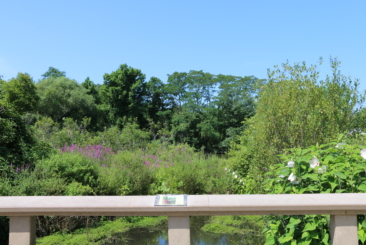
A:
124, 93
53, 72
62, 97
160, 103
91, 89
20, 93
210, 108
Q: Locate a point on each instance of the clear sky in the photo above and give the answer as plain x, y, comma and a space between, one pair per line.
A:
91, 38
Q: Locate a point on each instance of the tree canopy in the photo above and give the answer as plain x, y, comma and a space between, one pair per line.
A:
62, 97
53, 72
20, 93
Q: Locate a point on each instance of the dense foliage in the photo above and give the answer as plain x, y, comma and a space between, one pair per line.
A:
295, 109
132, 136
328, 168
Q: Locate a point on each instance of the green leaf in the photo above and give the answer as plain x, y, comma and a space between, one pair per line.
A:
306, 242
270, 240
311, 176
364, 223
328, 159
361, 234
313, 188
274, 226
325, 239
309, 227
285, 239
333, 185
340, 175
305, 234
294, 221
362, 187
314, 234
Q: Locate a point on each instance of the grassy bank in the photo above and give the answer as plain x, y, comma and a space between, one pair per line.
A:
103, 232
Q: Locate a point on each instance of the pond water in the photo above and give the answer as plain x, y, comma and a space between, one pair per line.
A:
159, 236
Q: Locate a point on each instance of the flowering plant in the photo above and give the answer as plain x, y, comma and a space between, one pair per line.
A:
317, 169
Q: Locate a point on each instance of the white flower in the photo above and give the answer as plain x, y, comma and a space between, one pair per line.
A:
363, 153
292, 177
322, 170
233, 173
240, 181
290, 164
236, 176
314, 162
225, 169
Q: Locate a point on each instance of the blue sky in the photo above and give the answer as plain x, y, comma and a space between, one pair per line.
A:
91, 38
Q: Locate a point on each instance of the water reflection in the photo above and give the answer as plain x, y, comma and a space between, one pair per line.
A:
159, 236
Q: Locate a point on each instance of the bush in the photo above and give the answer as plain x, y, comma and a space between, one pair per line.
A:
295, 109
124, 174
181, 170
327, 168
72, 167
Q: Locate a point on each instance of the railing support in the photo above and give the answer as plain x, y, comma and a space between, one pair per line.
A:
179, 233
343, 229
22, 231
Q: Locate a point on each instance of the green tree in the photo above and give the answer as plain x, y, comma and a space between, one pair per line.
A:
295, 109
53, 72
235, 103
124, 94
62, 97
209, 108
91, 89
20, 93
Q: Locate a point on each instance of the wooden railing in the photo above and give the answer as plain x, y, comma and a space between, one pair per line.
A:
343, 209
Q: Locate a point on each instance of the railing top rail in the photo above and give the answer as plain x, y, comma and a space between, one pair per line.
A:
340, 204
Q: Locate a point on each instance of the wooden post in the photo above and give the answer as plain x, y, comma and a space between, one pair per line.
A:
22, 231
343, 229
179, 233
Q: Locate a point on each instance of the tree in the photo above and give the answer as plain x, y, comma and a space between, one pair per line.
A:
91, 89
20, 93
62, 97
235, 103
160, 104
16, 140
124, 94
208, 108
295, 109
53, 72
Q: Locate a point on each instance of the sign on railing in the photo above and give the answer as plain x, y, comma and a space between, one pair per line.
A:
171, 200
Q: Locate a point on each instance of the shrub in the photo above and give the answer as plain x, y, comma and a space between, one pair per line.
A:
73, 167
295, 109
326, 168
124, 174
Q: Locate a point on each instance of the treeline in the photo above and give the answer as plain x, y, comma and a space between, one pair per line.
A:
198, 108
